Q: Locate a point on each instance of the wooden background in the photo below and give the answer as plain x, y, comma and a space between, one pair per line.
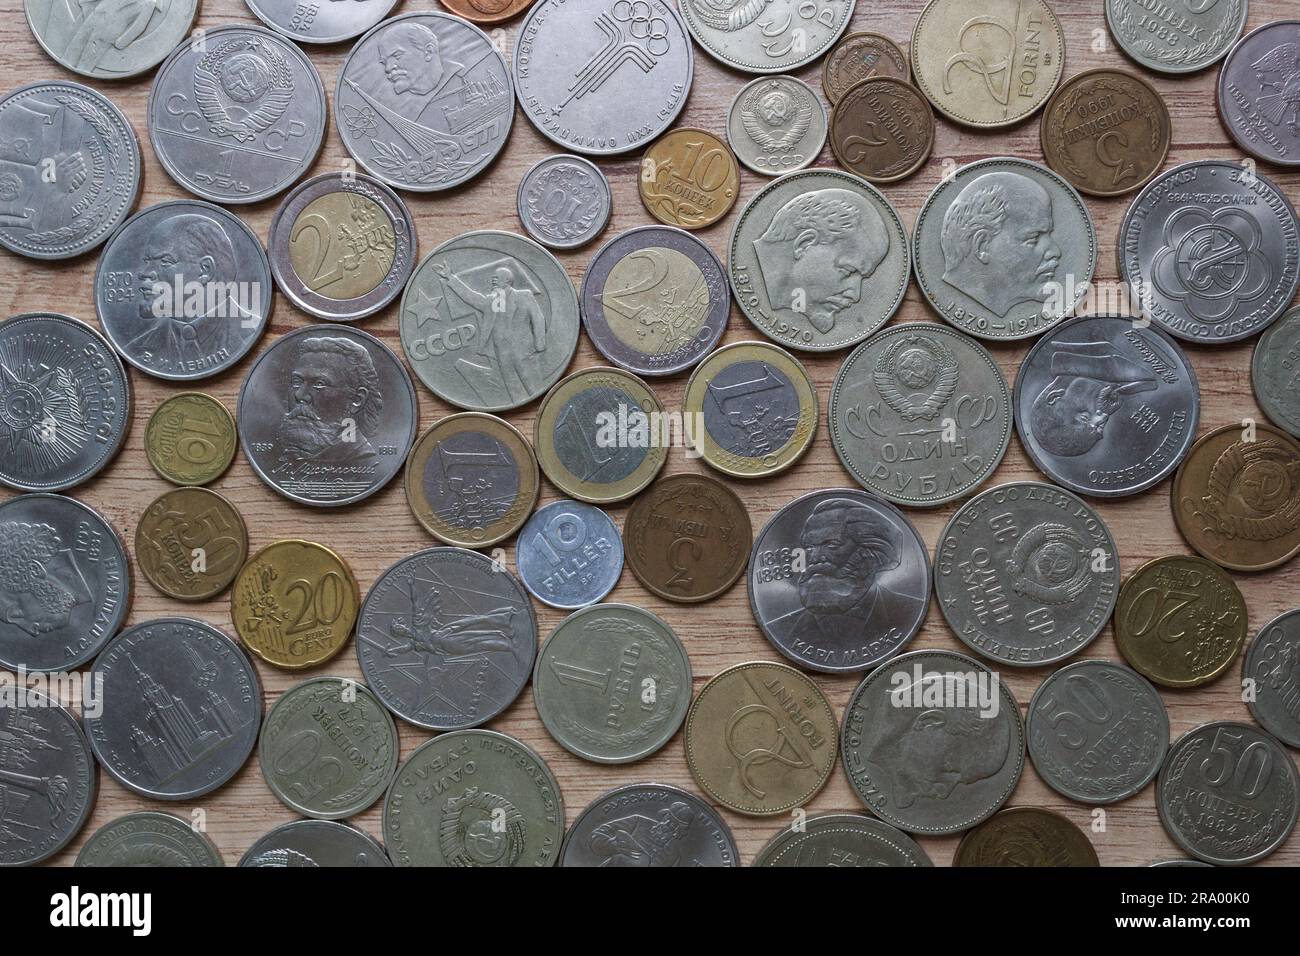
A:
375, 533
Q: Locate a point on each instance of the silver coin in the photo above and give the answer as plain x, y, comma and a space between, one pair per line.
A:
1106, 405
766, 36
920, 414
564, 201
113, 41
777, 124
1180, 863
1275, 372
842, 839
446, 638
66, 402
1026, 574
237, 114
327, 415
181, 708
819, 260
1257, 101
655, 300
489, 321
1273, 665
1098, 731
649, 825
47, 779
183, 290
1212, 249
569, 554
65, 583
1227, 793
69, 169
1175, 38
839, 581
321, 843
933, 742
1004, 249
602, 77
320, 22
148, 838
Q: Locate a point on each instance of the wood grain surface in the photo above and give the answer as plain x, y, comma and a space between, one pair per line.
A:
379, 531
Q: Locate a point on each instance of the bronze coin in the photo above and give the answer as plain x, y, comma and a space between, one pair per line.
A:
687, 538
858, 56
487, 11
882, 129
1026, 836
190, 543
689, 178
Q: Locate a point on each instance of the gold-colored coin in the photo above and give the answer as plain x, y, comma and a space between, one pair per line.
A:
352, 274
750, 410
689, 178
858, 56
1180, 620
472, 480
744, 716
1026, 836
295, 603
190, 543
190, 439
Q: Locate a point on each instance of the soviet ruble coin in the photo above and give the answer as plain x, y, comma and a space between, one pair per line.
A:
1271, 664
564, 201
1175, 37
315, 843
689, 178
777, 124
752, 36
317, 23
1255, 99
190, 439
569, 554
109, 44
858, 56
841, 839
882, 129
649, 825
1026, 836
149, 838
190, 543
1275, 372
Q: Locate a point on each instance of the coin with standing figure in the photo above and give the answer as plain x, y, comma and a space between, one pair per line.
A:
1026, 836
315, 843
109, 43
149, 838
841, 839
858, 56
649, 825
1273, 665
190, 543
776, 124
569, 554
564, 201
190, 439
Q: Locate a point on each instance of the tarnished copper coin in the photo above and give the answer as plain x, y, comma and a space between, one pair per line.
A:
1106, 131
190, 543
687, 538
882, 129
858, 56
487, 11
689, 178
1026, 836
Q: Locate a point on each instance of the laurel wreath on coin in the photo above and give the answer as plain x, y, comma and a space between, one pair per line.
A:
1214, 505
885, 377
1127, 26
255, 122
674, 499
1068, 105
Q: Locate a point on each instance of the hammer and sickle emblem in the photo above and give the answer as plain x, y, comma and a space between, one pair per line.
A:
758, 756
987, 70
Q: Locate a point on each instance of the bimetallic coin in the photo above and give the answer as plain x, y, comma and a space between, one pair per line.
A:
471, 480
320, 23
751, 410
882, 129
1004, 249
1212, 249
1275, 372
65, 583
572, 83
933, 742
751, 36
655, 300
1097, 731
109, 44
920, 414
1272, 665
776, 124
237, 114
65, 402
315, 843
328, 748
569, 554
689, 178
181, 708
1236, 497
819, 260
294, 604
858, 56
612, 683
190, 439
1227, 793
564, 201
1180, 621
190, 543
1026, 836
1175, 39
1256, 93
487, 11
455, 792
841, 839
649, 825
148, 838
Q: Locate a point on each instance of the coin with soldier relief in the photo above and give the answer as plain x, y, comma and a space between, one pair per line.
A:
149, 838
1257, 93
320, 23
841, 839
569, 554
190, 439
776, 124
1272, 671
1176, 39
315, 843
110, 42
752, 36
649, 825
564, 201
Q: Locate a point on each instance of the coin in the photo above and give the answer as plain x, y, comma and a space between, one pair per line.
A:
314, 23
569, 554
1236, 497
1252, 101
1097, 732
1004, 249
1227, 793
920, 414
294, 603
688, 538
71, 168
689, 178
190, 439
1180, 621
1179, 863
237, 114
564, 201
1180, 39
841, 839
819, 260
1275, 372
649, 825
1214, 250
328, 748
882, 129
181, 706
327, 415
66, 400
471, 480
987, 63
748, 35
148, 838
105, 45
751, 410
487, 11
1106, 131
1270, 670
456, 792
599, 435
489, 321
776, 125
655, 300
65, 583
315, 843
1026, 836
933, 742
761, 738
858, 56
190, 543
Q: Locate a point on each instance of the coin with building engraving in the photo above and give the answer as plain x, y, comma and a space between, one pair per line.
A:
766, 36
1176, 38
1272, 668
882, 129
190, 543
569, 554
316, 22
1026, 836
1275, 372
858, 56
776, 124
315, 843
110, 42
1257, 93
564, 201
841, 840
190, 439
689, 178
649, 825
149, 838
